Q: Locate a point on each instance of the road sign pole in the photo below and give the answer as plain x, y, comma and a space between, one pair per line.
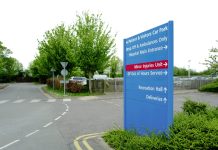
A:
53, 79
64, 80
64, 73
53, 70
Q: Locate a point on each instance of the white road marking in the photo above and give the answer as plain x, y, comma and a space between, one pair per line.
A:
3, 101
67, 107
117, 105
3, 147
51, 100
48, 124
34, 132
35, 101
63, 113
66, 100
109, 102
18, 101
57, 118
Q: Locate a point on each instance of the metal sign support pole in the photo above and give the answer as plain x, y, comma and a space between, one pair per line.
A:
53, 79
64, 80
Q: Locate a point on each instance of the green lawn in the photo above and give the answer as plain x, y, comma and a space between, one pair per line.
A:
60, 92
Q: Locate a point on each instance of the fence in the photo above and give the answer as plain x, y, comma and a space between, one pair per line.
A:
110, 85
190, 84
116, 85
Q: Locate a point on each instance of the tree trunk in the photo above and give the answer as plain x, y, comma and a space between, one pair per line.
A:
90, 82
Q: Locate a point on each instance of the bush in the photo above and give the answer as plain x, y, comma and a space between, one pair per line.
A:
57, 84
192, 129
74, 87
210, 87
193, 132
192, 107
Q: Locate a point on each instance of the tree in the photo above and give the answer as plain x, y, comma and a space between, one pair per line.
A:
115, 66
9, 66
94, 44
57, 46
212, 61
180, 71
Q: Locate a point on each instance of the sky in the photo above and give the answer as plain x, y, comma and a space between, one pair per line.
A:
24, 22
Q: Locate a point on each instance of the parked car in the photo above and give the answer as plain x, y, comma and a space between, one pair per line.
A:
81, 80
100, 77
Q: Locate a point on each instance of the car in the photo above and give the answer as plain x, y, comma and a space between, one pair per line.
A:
100, 77
81, 80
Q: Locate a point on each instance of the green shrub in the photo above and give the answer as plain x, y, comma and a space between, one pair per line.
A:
192, 107
196, 128
210, 87
193, 132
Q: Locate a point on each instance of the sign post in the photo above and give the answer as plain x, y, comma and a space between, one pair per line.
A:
64, 73
53, 70
148, 80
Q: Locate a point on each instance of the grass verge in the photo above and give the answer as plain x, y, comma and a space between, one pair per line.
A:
60, 92
2, 86
197, 129
210, 87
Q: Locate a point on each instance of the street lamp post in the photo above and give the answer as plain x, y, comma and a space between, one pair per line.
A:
189, 70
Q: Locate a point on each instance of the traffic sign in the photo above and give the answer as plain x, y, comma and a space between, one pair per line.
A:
64, 72
64, 64
53, 70
148, 80
62, 81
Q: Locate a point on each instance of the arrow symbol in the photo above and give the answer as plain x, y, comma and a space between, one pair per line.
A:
165, 47
165, 72
165, 90
165, 64
165, 100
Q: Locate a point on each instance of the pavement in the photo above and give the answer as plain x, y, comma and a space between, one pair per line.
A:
2, 86
32, 120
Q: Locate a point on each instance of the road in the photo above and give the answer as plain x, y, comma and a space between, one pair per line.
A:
31, 120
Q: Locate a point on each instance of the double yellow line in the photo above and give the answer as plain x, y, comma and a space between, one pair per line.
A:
84, 139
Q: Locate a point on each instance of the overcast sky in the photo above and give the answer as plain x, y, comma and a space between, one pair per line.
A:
22, 22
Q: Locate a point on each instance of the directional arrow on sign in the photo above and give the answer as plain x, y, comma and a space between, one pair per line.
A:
165, 89
165, 72
165, 100
165, 64
165, 47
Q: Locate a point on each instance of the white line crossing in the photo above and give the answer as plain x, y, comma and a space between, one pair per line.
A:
34, 132
18, 101
51, 100
35, 101
66, 100
48, 124
3, 147
57, 118
3, 101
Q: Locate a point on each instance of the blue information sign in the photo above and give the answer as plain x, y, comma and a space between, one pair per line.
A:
148, 80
